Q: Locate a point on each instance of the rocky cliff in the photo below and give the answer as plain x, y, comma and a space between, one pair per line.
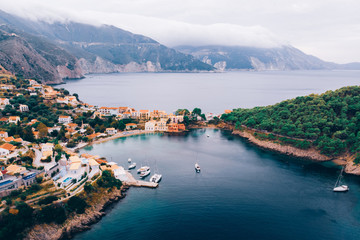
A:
77, 223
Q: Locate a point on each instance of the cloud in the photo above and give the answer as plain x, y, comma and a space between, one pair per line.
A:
328, 29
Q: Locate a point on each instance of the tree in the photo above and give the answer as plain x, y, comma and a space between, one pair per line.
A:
28, 134
196, 112
77, 204
43, 130
88, 188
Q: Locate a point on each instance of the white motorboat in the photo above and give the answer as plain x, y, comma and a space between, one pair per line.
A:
338, 186
129, 160
143, 169
145, 173
132, 166
197, 167
208, 135
156, 178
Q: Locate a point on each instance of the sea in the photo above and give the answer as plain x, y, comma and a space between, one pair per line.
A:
242, 192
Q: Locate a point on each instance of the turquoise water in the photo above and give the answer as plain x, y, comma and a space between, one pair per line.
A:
212, 92
242, 192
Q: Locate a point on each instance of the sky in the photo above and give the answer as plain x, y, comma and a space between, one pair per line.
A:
328, 29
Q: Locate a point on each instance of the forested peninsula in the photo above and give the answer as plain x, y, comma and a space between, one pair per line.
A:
328, 123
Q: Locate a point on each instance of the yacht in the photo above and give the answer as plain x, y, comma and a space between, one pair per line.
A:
129, 160
197, 167
132, 166
338, 186
156, 178
143, 169
145, 173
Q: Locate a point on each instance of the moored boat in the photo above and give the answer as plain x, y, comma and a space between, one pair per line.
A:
145, 173
143, 169
197, 167
156, 178
129, 160
338, 186
133, 165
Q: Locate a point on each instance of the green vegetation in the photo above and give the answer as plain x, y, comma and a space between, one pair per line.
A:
330, 121
107, 180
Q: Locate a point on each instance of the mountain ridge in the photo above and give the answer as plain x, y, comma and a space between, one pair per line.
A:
84, 49
255, 58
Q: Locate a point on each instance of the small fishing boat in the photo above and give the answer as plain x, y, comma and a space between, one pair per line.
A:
145, 173
132, 166
156, 178
197, 167
143, 169
208, 135
338, 186
129, 160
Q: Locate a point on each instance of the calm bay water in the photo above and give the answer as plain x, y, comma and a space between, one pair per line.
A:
242, 192
212, 92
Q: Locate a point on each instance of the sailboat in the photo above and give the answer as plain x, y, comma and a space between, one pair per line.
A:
338, 186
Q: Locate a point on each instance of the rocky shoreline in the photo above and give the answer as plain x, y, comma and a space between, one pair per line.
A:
79, 222
312, 154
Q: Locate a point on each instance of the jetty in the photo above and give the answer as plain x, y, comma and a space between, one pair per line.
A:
139, 183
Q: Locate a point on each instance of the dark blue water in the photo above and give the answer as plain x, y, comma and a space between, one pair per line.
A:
242, 192
212, 92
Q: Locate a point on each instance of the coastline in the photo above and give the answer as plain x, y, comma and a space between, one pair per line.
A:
312, 154
83, 222
78, 222
112, 137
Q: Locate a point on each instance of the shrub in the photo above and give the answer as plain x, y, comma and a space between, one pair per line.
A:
77, 204
47, 200
52, 213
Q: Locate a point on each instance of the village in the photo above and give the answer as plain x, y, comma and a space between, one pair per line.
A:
42, 128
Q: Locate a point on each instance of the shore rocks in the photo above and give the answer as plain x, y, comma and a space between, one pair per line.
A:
284, 149
77, 223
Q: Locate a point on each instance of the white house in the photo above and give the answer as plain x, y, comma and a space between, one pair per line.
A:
3, 134
161, 126
4, 152
65, 119
109, 111
130, 126
14, 119
111, 131
150, 126
23, 108
33, 82
4, 101
135, 114
47, 147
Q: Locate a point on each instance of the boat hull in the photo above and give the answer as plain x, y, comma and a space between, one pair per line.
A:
145, 174
342, 188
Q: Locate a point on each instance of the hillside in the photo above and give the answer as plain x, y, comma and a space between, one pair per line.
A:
253, 58
330, 122
85, 49
34, 57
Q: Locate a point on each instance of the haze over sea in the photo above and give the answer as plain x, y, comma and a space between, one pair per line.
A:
212, 92
242, 191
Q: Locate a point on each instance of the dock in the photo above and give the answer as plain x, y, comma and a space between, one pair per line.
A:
139, 183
